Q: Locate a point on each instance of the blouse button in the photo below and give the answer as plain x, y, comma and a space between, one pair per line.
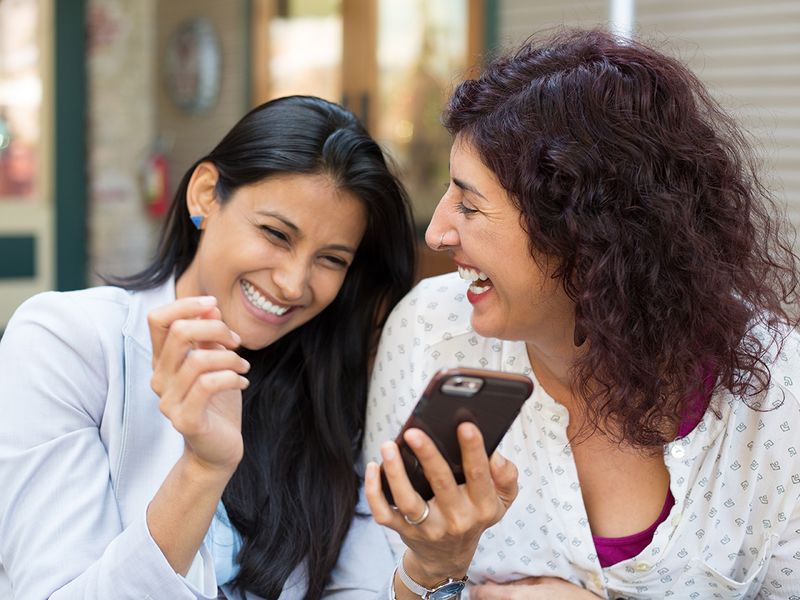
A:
678, 452
642, 566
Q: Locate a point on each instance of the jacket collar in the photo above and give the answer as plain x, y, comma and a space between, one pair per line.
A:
142, 303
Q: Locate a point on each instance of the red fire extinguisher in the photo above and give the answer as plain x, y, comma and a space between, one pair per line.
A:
155, 180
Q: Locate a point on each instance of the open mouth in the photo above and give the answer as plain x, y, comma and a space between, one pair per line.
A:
479, 281
258, 300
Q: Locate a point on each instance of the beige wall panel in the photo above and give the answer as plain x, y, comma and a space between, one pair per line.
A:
521, 18
189, 136
121, 118
748, 53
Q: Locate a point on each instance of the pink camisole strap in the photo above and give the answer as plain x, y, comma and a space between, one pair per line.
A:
610, 551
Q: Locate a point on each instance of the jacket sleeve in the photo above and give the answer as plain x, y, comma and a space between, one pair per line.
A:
366, 562
61, 535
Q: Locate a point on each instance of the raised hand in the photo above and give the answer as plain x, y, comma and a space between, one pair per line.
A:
198, 376
442, 545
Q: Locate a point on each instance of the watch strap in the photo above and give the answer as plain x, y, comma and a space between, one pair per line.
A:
420, 590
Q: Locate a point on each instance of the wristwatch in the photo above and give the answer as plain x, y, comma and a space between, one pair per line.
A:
444, 590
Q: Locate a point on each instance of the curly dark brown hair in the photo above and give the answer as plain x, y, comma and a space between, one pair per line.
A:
645, 195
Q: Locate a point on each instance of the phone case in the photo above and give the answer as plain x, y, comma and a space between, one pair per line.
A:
490, 399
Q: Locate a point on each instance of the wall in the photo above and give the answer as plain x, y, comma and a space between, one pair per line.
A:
748, 53
520, 18
122, 117
131, 115
189, 136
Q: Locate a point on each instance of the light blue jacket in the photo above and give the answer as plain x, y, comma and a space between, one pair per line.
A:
84, 448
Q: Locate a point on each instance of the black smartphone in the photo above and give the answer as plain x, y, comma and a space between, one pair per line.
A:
490, 399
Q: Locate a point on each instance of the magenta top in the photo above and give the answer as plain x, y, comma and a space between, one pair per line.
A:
610, 551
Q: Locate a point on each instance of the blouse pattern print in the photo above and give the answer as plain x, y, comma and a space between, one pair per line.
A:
733, 533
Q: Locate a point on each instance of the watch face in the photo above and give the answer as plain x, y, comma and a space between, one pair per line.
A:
448, 590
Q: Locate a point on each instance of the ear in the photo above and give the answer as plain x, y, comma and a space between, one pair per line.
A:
201, 194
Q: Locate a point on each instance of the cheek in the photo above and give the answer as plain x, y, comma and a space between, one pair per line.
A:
326, 287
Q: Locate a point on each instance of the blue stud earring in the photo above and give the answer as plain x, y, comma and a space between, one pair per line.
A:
197, 220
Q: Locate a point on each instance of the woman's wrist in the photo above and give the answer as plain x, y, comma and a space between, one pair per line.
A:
200, 469
430, 573
179, 514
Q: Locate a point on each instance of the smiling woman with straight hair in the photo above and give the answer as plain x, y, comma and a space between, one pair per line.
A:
195, 426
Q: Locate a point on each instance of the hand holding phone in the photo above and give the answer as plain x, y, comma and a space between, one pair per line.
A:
489, 399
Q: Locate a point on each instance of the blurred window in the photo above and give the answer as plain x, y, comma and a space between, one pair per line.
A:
305, 57
391, 62
20, 99
422, 53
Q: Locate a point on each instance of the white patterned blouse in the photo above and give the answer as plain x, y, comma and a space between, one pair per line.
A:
734, 531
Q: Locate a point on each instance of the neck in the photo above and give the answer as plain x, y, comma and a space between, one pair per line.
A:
552, 365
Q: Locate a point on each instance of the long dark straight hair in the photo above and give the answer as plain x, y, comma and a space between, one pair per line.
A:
293, 496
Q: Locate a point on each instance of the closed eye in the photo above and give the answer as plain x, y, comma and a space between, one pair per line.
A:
336, 261
464, 209
276, 234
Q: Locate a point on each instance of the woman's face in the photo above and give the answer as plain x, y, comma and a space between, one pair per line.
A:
275, 254
512, 297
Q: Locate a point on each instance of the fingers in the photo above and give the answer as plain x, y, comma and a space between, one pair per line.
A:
485, 481
475, 462
382, 511
183, 336
536, 580
406, 498
505, 477
480, 483
202, 361
531, 588
189, 414
521, 589
490, 591
203, 374
436, 469
160, 319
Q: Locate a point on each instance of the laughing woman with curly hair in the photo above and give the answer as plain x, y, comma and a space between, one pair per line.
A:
621, 250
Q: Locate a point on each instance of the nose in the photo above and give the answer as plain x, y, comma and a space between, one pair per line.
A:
292, 278
441, 234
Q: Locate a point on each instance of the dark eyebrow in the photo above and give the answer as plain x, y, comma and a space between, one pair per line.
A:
341, 247
296, 230
467, 187
282, 219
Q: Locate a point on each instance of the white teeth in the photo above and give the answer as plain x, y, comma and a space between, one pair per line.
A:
471, 274
260, 302
479, 289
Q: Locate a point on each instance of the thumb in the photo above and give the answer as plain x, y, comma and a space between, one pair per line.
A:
504, 475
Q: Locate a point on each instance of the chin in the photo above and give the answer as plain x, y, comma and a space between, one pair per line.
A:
483, 329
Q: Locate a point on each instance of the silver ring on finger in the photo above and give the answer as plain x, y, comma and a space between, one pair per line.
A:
418, 521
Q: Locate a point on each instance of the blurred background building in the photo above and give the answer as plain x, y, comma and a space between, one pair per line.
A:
104, 104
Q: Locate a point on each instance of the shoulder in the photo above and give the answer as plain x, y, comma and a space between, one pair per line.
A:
61, 350
85, 323
764, 427
76, 311
437, 308
783, 361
